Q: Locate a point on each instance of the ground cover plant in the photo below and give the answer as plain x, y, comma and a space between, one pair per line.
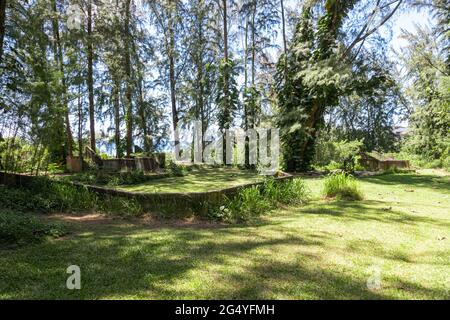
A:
19, 229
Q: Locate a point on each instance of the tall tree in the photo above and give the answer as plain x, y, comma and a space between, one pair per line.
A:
2, 25
90, 73
128, 79
58, 53
318, 73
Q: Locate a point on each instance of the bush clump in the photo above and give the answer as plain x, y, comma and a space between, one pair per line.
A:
342, 186
257, 200
19, 229
47, 196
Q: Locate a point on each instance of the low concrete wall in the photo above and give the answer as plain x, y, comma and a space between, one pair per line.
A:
15, 179
146, 164
167, 203
74, 164
393, 164
374, 164
170, 202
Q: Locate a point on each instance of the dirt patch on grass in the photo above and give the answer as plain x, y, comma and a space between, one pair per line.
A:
89, 218
146, 221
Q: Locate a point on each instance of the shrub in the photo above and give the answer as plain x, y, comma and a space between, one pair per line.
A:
121, 206
257, 200
289, 192
19, 229
342, 186
248, 203
333, 155
46, 196
176, 170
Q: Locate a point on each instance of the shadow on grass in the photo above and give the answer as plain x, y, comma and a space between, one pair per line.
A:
118, 261
369, 210
136, 262
437, 183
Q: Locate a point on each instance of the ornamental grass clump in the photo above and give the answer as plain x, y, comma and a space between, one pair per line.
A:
342, 186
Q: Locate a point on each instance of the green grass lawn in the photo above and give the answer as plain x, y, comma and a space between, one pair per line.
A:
325, 250
197, 180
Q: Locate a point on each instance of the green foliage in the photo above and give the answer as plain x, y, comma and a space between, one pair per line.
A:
176, 170
250, 202
333, 154
429, 94
342, 186
292, 192
421, 161
20, 229
310, 79
47, 196
122, 207
227, 93
258, 200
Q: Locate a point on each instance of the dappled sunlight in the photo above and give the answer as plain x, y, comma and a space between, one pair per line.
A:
198, 180
323, 250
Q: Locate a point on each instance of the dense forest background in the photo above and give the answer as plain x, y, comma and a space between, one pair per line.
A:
120, 75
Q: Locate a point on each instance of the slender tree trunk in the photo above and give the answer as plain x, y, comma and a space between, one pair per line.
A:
116, 97
226, 78
246, 73
253, 45
283, 22
90, 79
142, 114
60, 61
200, 113
128, 90
253, 111
226, 86
2, 26
172, 78
80, 125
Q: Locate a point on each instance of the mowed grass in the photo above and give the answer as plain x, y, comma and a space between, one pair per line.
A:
325, 250
197, 180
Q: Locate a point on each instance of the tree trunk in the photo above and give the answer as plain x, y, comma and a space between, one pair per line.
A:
90, 79
283, 22
80, 125
60, 61
116, 97
226, 78
226, 86
142, 114
172, 79
128, 90
2, 26
246, 73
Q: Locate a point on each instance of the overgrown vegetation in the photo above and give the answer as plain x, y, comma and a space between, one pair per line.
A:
46, 196
258, 200
342, 186
99, 177
337, 154
20, 229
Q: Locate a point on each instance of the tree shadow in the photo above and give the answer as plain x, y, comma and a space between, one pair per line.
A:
370, 210
437, 183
